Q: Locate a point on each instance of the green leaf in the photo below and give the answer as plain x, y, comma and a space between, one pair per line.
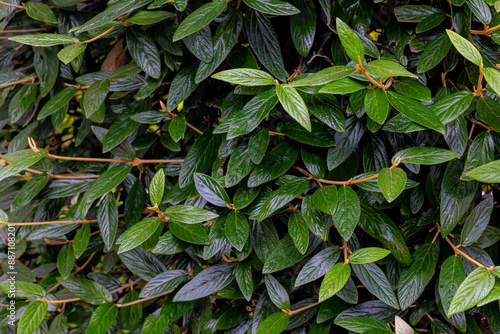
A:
294, 105
94, 96
392, 182
29, 191
108, 180
163, 282
143, 50
325, 199
277, 293
46, 67
297, 228
318, 135
192, 233
381, 227
348, 212
285, 254
88, 290
376, 282
451, 276
282, 196
476, 222
81, 240
350, 41
199, 19
415, 111
376, 105
425, 155
21, 102
107, 217
452, 106
248, 118
22, 289
211, 190
264, 43
314, 220
493, 78
43, 39
481, 10
207, 282
342, 87
199, 158
318, 266
70, 52
387, 68
466, 48
275, 163
414, 279
102, 318
139, 233
323, 77
57, 102
112, 12
145, 17
489, 173
245, 77
274, 324
414, 89
32, 317
20, 160
303, 27
362, 324
430, 22
244, 278
334, 280
367, 255
455, 196
272, 7
182, 86
188, 214
434, 52
168, 244
66, 260
473, 289
237, 230
40, 12
157, 187
257, 145
489, 111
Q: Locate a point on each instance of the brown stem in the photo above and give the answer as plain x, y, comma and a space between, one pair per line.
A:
458, 251
480, 91
59, 301
345, 248
126, 286
362, 70
98, 36
228, 259
174, 115
84, 221
290, 312
11, 5
69, 177
144, 299
272, 133
77, 86
25, 80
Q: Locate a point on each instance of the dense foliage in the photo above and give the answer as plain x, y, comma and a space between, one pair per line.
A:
252, 166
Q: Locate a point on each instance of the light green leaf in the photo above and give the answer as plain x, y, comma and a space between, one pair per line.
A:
392, 182
237, 230
157, 187
245, 77
139, 233
473, 289
32, 317
43, 39
466, 48
489, 173
199, 18
387, 68
367, 255
350, 41
294, 105
334, 280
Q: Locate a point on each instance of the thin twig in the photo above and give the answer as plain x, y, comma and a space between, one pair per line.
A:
11, 5
144, 299
290, 312
25, 80
98, 36
458, 251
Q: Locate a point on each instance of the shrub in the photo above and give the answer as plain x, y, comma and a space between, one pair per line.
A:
251, 166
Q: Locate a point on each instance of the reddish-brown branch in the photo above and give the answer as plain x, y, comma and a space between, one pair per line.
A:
11, 5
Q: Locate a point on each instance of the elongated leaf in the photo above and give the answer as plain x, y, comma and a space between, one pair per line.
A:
157, 187
334, 280
451, 276
199, 18
475, 287
43, 39
245, 77
348, 212
108, 180
489, 173
88, 290
188, 214
466, 48
32, 317
210, 190
102, 318
274, 324
208, 281
367, 255
386, 68
415, 111
350, 41
272, 7
139, 233
425, 155
237, 230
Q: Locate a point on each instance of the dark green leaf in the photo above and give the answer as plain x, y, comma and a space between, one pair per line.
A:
199, 18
